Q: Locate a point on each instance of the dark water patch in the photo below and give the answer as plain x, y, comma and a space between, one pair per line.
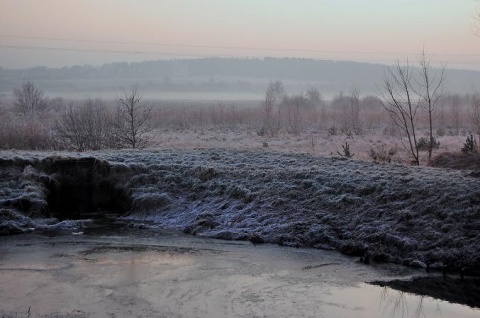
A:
451, 289
32, 265
138, 249
110, 225
106, 225
319, 265
81, 187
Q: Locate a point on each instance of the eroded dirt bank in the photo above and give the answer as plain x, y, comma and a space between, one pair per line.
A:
407, 215
151, 273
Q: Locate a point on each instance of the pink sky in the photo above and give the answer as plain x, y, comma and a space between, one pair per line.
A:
36, 32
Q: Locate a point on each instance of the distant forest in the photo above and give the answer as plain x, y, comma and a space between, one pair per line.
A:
295, 69
219, 74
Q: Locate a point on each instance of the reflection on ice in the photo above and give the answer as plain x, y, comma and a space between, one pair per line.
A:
401, 304
183, 276
379, 302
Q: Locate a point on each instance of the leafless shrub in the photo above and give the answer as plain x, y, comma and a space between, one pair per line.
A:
275, 91
224, 115
372, 115
383, 153
350, 112
88, 126
18, 132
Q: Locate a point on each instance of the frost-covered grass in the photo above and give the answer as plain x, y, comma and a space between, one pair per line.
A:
315, 141
402, 214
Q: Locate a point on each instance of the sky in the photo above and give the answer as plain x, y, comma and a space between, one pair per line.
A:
57, 33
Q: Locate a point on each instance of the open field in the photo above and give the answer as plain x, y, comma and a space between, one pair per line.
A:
316, 143
319, 131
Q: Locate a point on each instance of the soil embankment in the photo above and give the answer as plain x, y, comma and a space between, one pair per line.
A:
407, 215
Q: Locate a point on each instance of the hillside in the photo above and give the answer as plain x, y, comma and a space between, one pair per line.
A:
407, 215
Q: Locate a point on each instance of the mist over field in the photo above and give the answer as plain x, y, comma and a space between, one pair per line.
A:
214, 78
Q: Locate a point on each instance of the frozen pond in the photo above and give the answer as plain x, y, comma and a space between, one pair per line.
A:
168, 274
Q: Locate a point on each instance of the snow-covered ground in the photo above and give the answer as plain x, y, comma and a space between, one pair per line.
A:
401, 214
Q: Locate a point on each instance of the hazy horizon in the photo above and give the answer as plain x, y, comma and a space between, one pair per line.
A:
57, 33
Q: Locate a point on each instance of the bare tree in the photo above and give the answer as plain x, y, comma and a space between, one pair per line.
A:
476, 114
354, 111
317, 103
132, 126
29, 100
314, 97
430, 86
339, 105
400, 104
350, 111
476, 25
275, 91
294, 107
455, 112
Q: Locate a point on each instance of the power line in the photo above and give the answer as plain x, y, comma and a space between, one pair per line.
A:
185, 45
49, 48
178, 54
225, 47
136, 52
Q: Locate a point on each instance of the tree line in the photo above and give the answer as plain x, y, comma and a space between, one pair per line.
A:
86, 125
410, 104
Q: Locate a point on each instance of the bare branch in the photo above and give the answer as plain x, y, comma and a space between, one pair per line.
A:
399, 104
132, 127
430, 90
275, 90
29, 100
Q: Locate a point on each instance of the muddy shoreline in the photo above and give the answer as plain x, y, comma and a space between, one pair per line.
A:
450, 288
